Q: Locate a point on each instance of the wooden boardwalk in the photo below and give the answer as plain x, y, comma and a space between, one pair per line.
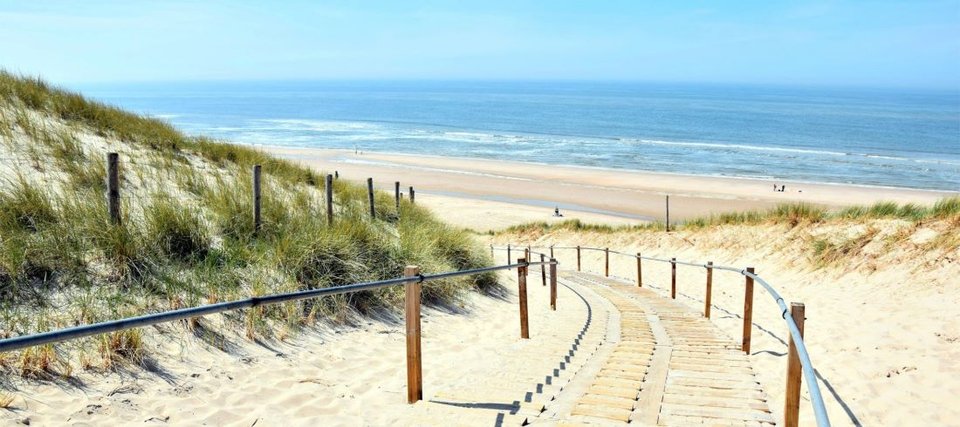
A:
638, 358
670, 366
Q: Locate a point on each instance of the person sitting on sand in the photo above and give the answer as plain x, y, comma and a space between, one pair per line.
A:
556, 211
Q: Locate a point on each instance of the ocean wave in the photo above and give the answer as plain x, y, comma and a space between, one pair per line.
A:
320, 125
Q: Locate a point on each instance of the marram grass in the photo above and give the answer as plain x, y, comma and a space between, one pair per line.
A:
186, 236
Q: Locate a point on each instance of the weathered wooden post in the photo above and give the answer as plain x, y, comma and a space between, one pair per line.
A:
673, 278
553, 284
257, 224
508, 254
522, 291
412, 195
526, 256
373, 212
329, 191
412, 317
709, 292
668, 214
639, 271
543, 270
578, 257
791, 404
747, 312
113, 187
606, 262
396, 194
551, 251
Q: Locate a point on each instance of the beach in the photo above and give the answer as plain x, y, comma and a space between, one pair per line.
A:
486, 195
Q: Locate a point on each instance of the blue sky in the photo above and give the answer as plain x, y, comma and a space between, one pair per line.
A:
872, 43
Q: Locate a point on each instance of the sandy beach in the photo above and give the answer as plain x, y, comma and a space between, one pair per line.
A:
493, 194
876, 345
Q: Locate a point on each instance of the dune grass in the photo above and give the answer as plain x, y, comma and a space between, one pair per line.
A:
187, 235
792, 214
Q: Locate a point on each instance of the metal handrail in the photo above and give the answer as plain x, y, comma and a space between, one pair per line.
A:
25, 341
813, 385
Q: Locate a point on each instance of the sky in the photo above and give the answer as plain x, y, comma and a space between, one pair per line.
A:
846, 43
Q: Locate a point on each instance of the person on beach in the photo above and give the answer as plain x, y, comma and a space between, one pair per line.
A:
556, 211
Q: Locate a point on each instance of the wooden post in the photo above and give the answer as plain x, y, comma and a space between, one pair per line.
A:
791, 404
491, 251
257, 224
606, 262
709, 292
553, 284
373, 212
396, 194
747, 312
668, 214
412, 317
578, 257
551, 251
412, 195
526, 255
508, 254
543, 270
639, 272
329, 188
522, 281
673, 278
113, 187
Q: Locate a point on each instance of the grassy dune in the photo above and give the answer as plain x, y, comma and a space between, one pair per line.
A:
187, 236
887, 223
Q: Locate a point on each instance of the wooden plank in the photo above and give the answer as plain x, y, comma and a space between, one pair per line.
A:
611, 401
713, 401
613, 391
618, 414
713, 412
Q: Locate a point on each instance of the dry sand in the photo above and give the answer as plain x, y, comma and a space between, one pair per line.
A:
881, 326
486, 194
884, 339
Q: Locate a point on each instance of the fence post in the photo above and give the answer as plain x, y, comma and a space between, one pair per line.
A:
543, 270
256, 199
578, 257
522, 281
329, 191
491, 251
747, 312
791, 404
709, 291
668, 214
396, 194
673, 278
526, 256
411, 195
639, 272
373, 212
508, 254
336, 174
606, 262
553, 284
412, 315
113, 187
551, 251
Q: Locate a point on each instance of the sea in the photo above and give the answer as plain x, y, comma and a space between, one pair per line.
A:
877, 137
